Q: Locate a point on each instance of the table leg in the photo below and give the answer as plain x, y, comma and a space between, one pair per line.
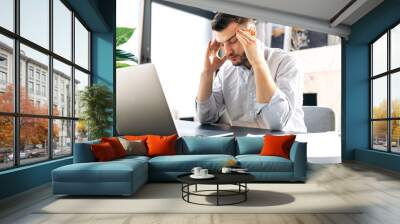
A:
245, 193
217, 194
188, 192
196, 187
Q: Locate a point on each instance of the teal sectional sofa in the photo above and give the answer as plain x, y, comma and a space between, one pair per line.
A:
125, 176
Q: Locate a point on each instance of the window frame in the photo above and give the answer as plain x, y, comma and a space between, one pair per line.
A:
388, 74
16, 113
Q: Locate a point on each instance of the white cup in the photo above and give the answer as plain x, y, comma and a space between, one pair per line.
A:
196, 171
203, 172
226, 170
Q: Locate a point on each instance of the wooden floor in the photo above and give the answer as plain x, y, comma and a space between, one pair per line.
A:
377, 188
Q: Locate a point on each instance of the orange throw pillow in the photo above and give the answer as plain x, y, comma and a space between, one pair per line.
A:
275, 145
136, 137
103, 151
116, 145
161, 145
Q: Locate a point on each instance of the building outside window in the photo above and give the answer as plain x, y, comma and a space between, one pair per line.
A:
30, 87
30, 72
3, 72
38, 89
3, 61
34, 81
43, 90
37, 75
3, 78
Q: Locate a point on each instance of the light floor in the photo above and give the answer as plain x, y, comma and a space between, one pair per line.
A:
378, 188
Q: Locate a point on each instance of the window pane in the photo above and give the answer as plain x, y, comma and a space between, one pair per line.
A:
33, 139
395, 138
81, 81
34, 79
198, 33
379, 135
379, 55
395, 47
35, 21
81, 45
6, 74
395, 94
62, 89
6, 142
62, 133
7, 14
81, 131
62, 29
379, 98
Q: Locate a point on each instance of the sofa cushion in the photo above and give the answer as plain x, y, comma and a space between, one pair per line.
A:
161, 145
111, 171
195, 145
134, 147
257, 163
185, 163
133, 158
103, 152
116, 145
277, 145
249, 145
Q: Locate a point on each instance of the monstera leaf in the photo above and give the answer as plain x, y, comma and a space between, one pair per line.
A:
121, 55
123, 35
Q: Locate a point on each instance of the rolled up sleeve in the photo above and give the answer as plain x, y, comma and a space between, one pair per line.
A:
210, 110
278, 111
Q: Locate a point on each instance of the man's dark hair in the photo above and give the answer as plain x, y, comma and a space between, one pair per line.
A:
222, 20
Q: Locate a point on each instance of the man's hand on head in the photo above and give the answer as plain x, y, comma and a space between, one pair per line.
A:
212, 62
247, 38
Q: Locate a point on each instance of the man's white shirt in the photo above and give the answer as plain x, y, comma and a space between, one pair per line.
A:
234, 92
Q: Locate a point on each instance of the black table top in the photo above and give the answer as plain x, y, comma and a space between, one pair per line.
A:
220, 178
193, 128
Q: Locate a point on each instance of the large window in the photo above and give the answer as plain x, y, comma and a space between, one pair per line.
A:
40, 80
385, 92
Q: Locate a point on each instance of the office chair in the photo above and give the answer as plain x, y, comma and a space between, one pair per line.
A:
319, 119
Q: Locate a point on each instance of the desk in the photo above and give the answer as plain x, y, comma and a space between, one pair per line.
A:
193, 128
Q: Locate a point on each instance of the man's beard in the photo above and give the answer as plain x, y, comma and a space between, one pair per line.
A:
243, 61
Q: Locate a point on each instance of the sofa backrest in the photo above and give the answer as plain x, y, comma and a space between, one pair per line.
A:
249, 145
192, 145
83, 152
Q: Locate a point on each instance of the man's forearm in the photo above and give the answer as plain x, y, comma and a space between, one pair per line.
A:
265, 85
205, 86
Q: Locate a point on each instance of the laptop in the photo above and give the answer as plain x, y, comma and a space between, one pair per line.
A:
141, 105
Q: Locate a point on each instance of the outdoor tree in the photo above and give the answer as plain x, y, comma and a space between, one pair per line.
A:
33, 131
380, 127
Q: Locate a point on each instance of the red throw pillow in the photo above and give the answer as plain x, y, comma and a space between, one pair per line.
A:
161, 145
103, 151
275, 145
116, 145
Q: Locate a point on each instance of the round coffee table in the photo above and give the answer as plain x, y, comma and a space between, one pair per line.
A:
238, 179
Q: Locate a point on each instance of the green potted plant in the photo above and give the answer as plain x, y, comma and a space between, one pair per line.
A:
123, 57
96, 102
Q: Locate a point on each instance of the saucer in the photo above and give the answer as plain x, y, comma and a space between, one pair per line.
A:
208, 176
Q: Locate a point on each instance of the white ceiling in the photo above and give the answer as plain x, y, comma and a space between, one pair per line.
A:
321, 9
315, 15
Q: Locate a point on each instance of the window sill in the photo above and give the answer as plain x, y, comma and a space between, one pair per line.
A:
30, 166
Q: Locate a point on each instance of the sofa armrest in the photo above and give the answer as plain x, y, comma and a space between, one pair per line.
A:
83, 152
298, 155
